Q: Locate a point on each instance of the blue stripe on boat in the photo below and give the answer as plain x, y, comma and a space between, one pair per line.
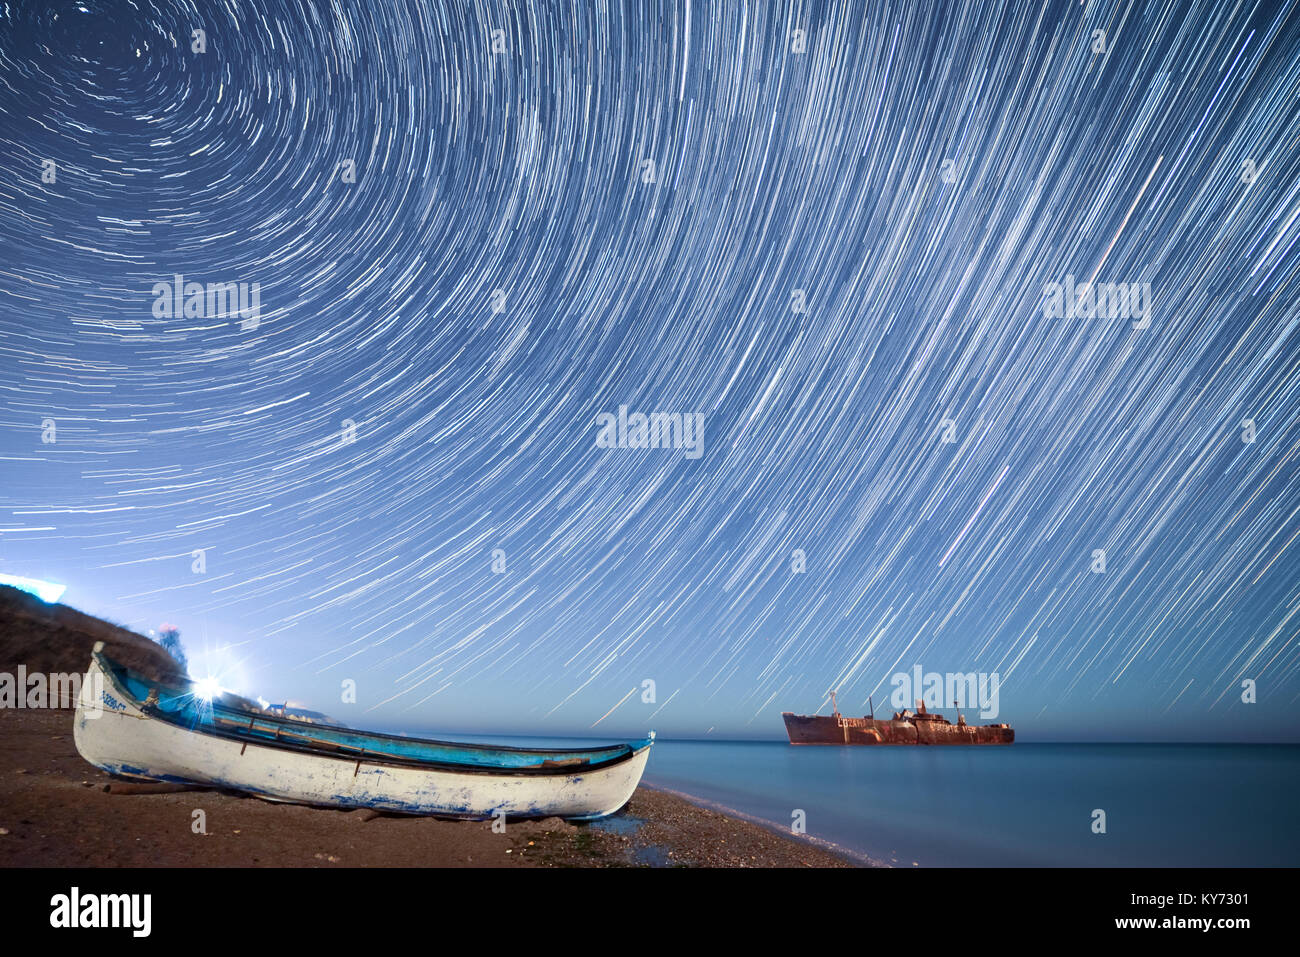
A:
184, 708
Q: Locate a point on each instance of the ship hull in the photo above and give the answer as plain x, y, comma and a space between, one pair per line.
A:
827, 729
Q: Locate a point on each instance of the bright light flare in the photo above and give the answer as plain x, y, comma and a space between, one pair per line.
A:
207, 688
48, 592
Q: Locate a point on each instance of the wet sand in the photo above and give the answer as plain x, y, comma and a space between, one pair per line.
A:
55, 811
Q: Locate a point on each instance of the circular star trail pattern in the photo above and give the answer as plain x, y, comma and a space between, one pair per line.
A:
827, 228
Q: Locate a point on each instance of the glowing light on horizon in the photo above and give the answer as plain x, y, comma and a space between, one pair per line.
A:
49, 592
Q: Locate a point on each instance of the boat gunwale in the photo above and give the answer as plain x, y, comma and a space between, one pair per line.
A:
359, 756
388, 736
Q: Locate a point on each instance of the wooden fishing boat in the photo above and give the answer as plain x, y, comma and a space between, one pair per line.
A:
129, 725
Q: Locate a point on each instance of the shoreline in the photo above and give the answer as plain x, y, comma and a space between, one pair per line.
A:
855, 858
56, 811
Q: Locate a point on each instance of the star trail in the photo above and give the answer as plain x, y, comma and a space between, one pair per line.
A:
821, 232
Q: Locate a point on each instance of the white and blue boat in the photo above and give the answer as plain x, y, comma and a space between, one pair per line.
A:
129, 725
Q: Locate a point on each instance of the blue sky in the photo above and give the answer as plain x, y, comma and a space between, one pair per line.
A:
832, 245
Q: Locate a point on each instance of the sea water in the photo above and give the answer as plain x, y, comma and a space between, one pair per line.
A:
1020, 805
1162, 805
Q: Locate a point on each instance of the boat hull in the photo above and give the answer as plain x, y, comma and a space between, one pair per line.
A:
116, 734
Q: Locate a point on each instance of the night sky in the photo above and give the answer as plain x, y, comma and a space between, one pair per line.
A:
825, 228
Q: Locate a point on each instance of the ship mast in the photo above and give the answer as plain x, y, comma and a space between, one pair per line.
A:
835, 710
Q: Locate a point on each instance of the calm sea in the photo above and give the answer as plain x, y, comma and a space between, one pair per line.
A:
1023, 805
1166, 805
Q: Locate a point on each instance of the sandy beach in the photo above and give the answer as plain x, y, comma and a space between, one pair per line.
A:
55, 810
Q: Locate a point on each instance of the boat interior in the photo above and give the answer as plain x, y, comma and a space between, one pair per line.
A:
228, 716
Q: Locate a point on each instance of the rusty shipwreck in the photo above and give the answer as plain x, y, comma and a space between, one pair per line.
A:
905, 727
